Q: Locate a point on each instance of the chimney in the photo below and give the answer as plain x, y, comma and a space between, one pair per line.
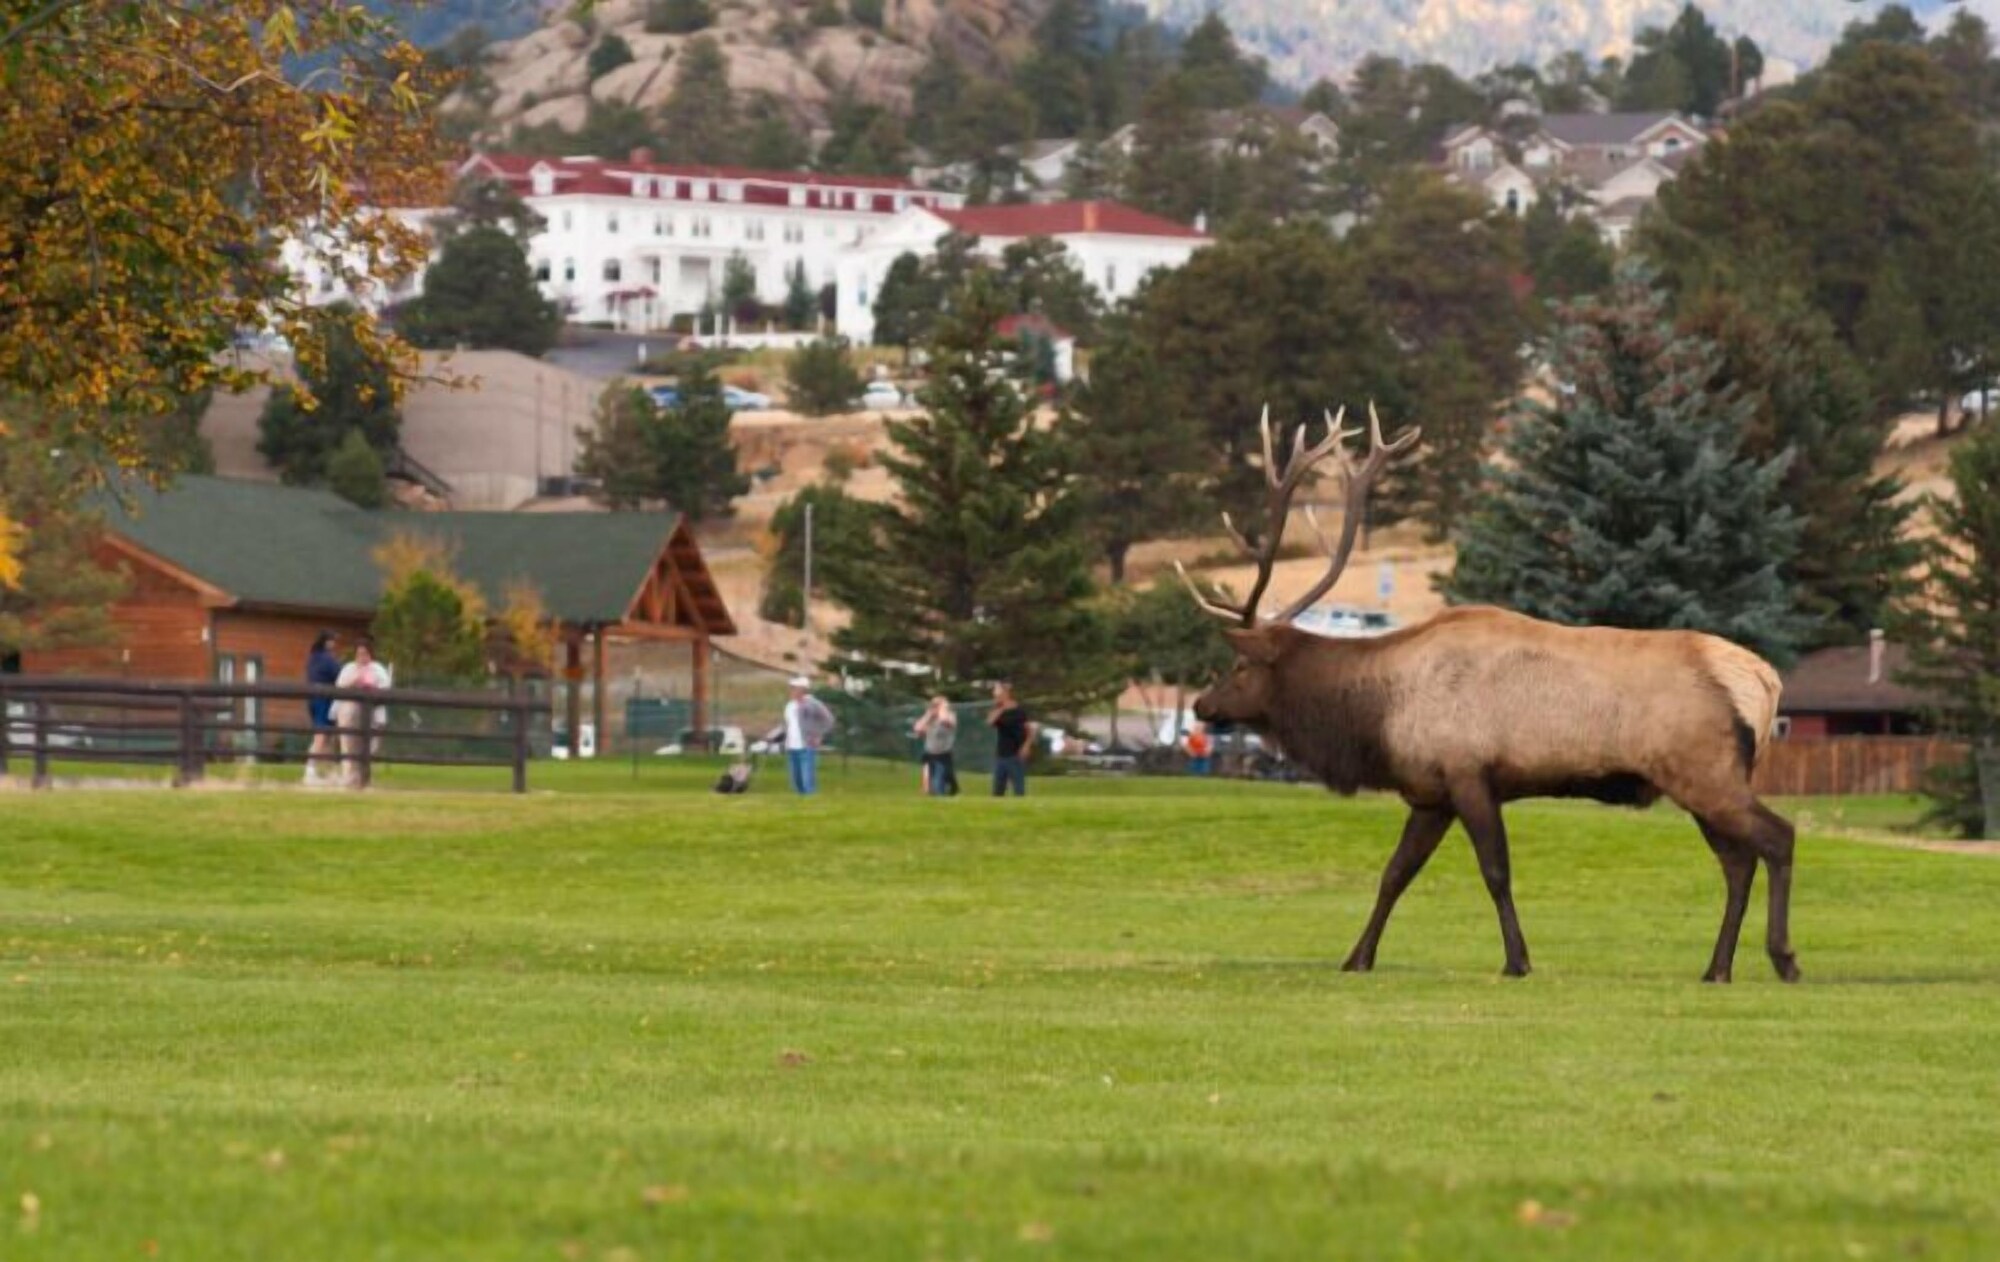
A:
1201, 221
1875, 650
642, 156
1090, 216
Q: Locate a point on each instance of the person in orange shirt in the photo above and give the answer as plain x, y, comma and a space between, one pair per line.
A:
1199, 747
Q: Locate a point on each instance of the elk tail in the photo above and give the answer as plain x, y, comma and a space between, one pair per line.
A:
1752, 687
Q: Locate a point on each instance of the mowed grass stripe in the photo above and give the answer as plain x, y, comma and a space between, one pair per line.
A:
1104, 1022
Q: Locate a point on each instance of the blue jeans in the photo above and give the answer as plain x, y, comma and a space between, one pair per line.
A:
805, 770
940, 780
1008, 771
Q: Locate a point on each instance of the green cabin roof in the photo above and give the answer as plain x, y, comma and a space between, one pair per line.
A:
296, 547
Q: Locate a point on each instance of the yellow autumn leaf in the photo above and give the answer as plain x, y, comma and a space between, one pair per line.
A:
10, 553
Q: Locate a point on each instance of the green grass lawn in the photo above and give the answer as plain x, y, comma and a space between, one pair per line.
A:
1105, 1022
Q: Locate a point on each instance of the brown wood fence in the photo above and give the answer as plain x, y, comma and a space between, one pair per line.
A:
187, 726
1851, 764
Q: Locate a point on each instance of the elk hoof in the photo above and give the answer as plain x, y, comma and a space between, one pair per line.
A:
1717, 976
1516, 969
1787, 965
1358, 963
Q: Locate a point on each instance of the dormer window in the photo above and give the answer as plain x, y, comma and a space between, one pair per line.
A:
798, 197
642, 186
543, 181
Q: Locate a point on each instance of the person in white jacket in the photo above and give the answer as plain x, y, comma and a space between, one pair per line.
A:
806, 726
363, 672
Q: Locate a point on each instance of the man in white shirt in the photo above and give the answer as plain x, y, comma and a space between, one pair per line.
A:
807, 723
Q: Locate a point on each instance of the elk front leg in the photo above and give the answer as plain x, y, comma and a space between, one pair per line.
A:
1480, 810
1739, 870
1426, 827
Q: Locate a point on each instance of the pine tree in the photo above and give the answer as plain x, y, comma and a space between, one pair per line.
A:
977, 569
906, 305
614, 451
1172, 172
1952, 628
481, 294
801, 304
1142, 458
1627, 501
839, 521
1218, 73
693, 463
698, 122
352, 389
1809, 397
354, 472
821, 379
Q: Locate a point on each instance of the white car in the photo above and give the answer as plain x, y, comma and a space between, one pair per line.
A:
740, 400
1344, 622
882, 394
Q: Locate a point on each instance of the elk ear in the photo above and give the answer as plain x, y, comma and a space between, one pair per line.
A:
1255, 644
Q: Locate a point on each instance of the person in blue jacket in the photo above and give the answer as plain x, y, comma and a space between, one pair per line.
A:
322, 667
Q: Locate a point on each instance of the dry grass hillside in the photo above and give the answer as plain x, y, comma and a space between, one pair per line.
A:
773, 48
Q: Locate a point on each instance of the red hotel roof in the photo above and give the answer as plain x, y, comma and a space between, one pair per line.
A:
1063, 219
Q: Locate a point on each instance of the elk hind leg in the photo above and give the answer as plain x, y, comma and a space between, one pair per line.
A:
1739, 870
1479, 809
1763, 833
1422, 832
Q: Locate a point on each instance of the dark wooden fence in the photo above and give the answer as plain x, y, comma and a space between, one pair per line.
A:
186, 726
1852, 764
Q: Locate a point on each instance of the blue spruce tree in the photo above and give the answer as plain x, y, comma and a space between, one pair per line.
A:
1627, 501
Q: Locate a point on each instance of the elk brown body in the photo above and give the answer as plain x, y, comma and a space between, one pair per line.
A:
1478, 706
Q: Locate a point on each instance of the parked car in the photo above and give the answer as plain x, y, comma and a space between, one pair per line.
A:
882, 394
1344, 622
740, 400
665, 396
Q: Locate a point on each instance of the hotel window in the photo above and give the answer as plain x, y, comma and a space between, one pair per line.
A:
611, 223
795, 231
569, 269
654, 270
642, 187
566, 221
541, 269
1110, 279
753, 230
612, 271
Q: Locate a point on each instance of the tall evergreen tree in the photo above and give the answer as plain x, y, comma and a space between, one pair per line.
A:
1218, 73
613, 449
1172, 172
353, 390
978, 568
1439, 265
694, 465
1056, 75
906, 304
1809, 398
1628, 501
480, 293
840, 524
1142, 459
699, 121
1279, 318
1952, 628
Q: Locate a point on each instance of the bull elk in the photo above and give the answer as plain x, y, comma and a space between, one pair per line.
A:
1477, 707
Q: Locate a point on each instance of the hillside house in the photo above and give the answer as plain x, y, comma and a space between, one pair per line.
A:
232, 581
1114, 245
1615, 163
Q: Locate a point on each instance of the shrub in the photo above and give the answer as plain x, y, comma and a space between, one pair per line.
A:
678, 17
821, 377
611, 52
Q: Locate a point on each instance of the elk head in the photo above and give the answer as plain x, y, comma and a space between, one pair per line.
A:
1248, 692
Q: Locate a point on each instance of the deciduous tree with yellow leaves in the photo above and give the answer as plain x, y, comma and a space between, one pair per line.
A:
157, 155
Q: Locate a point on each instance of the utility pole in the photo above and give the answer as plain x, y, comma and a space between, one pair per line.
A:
806, 592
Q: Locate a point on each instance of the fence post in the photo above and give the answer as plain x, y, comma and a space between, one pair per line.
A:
41, 743
367, 771
1986, 757
190, 760
519, 713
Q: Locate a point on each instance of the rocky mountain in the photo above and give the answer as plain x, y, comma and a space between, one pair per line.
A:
803, 55
1307, 39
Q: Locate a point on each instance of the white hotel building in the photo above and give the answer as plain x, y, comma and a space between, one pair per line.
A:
638, 243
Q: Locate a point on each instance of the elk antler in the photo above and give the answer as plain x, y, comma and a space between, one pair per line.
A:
1284, 482
1360, 480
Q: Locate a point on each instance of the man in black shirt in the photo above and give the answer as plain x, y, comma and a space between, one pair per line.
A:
1015, 734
